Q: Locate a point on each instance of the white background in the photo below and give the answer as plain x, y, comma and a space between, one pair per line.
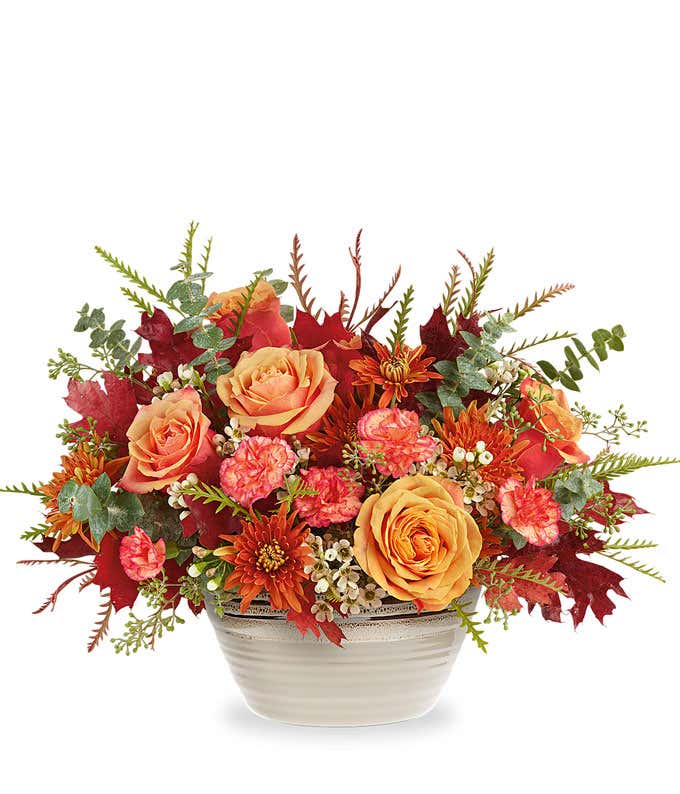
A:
547, 130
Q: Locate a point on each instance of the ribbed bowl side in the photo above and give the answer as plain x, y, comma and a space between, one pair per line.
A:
389, 669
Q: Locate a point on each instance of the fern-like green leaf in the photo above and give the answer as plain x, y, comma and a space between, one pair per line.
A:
137, 301
616, 464
397, 335
134, 276
471, 626
636, 565
451, 292
23, 488
525, 344
479, 279
539, 299
628, 544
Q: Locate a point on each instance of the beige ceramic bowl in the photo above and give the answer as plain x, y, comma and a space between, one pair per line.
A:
392, 666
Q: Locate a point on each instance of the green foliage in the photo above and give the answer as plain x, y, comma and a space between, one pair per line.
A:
210, 494
397, 335
636, 565
245, 300
74, 435
451, 292
35, 533
571, 372
293, 488
465, 373
471, 626
109, 345
525, 344
539, 299
67, 364
160, 522
500, 575
474, 289
144, 632
630, 544
609, 465
191, 589
100, 507
610, 432
24, 488
137, 300
134, 276
574, 490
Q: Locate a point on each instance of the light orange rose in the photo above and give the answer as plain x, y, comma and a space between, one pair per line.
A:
556, 430
168, 440
417, 541
276, 390
263, 321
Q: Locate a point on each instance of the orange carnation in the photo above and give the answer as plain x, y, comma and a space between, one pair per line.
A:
276, 390
417, 541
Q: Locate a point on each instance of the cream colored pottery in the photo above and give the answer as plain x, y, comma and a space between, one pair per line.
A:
392, 666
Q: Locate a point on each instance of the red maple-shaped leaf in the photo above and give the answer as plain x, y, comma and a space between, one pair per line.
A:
168, 349
208, 523
70, 549
305, 621
337, 344
619, 507
587, 582
113, 409
173, 573
537, 561
110, 573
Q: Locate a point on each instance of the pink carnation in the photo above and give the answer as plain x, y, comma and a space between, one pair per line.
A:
395, 434
140, 557
257, 468
533, 512
337, 498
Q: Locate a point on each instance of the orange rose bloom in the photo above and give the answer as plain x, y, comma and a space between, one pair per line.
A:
417, 541
556, 430
277, 390
168, 440
263, 319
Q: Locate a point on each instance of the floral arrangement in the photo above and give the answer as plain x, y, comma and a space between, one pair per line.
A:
246, 450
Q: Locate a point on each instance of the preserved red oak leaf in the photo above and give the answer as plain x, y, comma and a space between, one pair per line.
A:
587, 583
305, 621
168, 349
110, 573
112, 409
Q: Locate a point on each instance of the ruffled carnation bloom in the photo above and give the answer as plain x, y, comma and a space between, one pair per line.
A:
531, 511
140, 557
257, 468
337, 498
396, 435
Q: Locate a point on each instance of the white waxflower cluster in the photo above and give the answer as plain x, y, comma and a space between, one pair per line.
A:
338, 579
167, 382
502, 372
467, 470
226, 443
176, 497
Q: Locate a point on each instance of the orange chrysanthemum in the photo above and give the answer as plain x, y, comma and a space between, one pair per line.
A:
394, 371
339, 425
84, 467
270, 554
472, 426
